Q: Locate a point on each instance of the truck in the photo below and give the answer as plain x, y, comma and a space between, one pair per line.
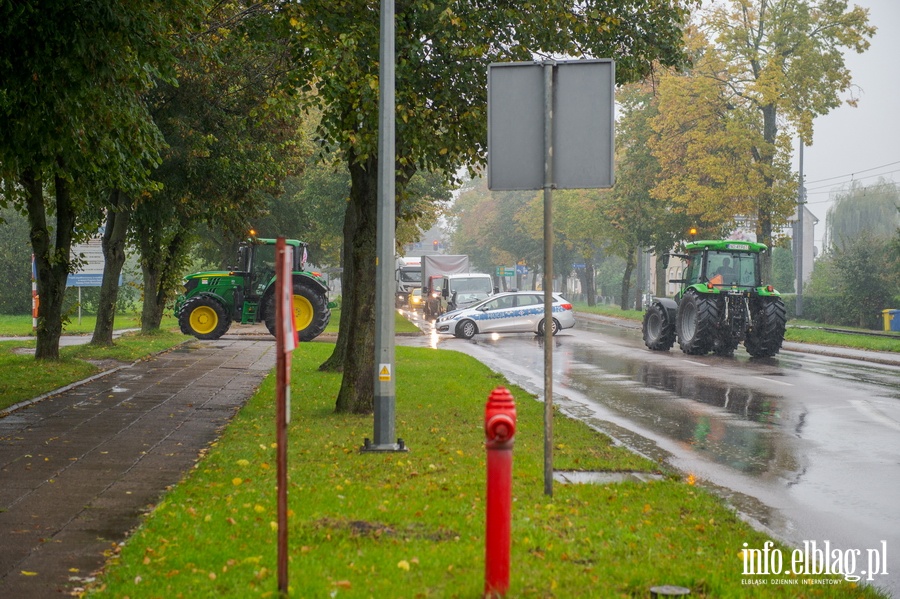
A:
462, 290
213, 299
434, 267
722, 303
409, 276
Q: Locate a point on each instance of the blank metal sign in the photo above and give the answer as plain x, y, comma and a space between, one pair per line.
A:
583, 130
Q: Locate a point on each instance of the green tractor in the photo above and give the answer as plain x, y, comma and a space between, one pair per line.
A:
246, 294
721, 304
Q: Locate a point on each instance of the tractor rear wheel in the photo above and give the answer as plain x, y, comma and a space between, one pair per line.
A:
311, 312
658, 329
203, 317
767, 333
696, 323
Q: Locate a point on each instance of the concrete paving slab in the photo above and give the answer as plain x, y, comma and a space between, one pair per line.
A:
80, 468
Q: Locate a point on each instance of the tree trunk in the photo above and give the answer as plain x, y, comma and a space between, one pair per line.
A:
626, 280
764, 213
639, 283
151, 315
117, 220
590, 281
51, 261
357, 325
335, 363
158, 264
662, 273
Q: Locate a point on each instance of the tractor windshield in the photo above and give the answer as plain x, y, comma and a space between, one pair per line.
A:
732, 269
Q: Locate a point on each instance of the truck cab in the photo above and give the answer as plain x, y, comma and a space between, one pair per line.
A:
463, 290
409, 276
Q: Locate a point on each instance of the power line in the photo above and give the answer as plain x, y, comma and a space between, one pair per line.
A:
830, 188
853, 175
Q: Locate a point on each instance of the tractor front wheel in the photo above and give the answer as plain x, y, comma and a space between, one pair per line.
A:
311, 313
203, 317
658, 329
696, 323
767, 334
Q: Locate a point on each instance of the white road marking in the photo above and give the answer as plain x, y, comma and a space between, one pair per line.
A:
762, 378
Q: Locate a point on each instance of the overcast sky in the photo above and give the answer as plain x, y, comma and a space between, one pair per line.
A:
860, 143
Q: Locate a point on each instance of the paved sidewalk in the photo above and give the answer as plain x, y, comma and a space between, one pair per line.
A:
79, 469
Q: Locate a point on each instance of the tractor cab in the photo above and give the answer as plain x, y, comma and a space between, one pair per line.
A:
257, 259
723, 268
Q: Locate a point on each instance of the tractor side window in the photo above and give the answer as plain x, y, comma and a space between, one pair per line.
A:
263, 268
692, 274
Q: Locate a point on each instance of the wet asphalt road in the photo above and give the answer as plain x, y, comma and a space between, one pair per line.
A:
806, 446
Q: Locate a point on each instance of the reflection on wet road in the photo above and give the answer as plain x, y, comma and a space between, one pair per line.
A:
806, 445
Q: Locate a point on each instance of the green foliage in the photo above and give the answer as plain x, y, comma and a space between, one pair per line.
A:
783, 269
15, 263
874, 209
442, 53
232, 128
853, 283
760, 69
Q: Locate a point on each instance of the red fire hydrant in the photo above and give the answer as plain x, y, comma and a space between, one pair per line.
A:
499, 430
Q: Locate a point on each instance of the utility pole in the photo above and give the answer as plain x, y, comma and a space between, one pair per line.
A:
798, 238
385, 391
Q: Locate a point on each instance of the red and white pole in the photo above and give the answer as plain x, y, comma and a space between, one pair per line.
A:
500, 430
35, 300
285, 342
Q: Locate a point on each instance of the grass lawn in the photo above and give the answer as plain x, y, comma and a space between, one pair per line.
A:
23, 378
412, 524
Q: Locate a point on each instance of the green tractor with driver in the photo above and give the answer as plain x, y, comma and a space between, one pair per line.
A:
721, 304
212, 300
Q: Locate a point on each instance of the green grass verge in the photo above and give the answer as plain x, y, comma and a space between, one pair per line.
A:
23, 378
800, 331
20, 326
412, 524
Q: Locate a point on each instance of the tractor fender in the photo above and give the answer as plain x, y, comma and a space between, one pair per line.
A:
669, 305
308, 276
180, 304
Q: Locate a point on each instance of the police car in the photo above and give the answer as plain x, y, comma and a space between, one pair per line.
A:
513, 312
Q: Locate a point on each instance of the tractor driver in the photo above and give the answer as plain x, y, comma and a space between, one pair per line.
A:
726, 271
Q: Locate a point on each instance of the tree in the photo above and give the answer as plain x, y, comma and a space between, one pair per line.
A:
15, 263
582, 222
113, 243
443, 49
707, 147
854, 281
783, 274
777, 63
72, 122
233, 129
862, 208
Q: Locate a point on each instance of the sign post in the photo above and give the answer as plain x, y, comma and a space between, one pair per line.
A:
550, 126
285, 342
